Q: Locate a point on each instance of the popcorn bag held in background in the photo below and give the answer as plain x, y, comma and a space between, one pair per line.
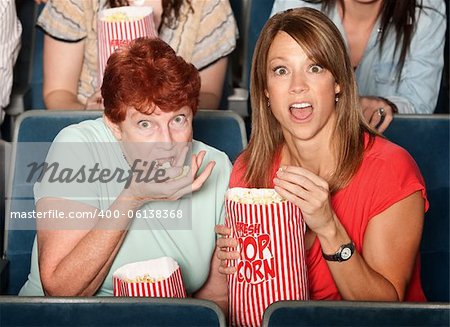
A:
153, 278
119, 26
272, 264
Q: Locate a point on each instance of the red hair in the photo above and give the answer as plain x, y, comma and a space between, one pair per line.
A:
147, 73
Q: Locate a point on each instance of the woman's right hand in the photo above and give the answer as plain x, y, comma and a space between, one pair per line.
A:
173, 183
227, 249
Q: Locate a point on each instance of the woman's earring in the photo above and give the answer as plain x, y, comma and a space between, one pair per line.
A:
268, 104
336, 99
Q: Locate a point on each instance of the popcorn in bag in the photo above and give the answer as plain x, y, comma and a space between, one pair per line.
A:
272, 266
153, 278
118, 26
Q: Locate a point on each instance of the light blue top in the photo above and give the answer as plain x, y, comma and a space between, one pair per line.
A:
418, 89
190, 240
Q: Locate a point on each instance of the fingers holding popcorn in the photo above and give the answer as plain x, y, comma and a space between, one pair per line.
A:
228, 249
309, 192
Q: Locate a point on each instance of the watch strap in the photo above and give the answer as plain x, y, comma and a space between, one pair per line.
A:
337, 256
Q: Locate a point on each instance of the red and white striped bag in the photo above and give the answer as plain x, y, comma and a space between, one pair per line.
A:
153, 278
117, 27
272, 263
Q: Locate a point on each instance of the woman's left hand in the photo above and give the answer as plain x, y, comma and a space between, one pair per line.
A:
309, 192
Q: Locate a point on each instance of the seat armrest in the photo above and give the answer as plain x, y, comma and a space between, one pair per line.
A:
3, 275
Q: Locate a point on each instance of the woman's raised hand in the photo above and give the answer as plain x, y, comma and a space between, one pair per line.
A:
152, 182
309, 192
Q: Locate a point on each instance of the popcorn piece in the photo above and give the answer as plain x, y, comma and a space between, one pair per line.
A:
144, 279
120, 17
254, 196
183, 173
166, 165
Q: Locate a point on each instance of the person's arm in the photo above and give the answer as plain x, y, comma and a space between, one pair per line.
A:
214, 38
74, 259
382, 272
215, 289
62, 68
421, 75
76, 262
9, 48
212, 78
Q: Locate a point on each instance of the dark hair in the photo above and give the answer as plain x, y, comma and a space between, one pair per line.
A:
397, 14
170, 14
147, 73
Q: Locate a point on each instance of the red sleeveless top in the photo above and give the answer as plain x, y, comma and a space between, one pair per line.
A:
387, 175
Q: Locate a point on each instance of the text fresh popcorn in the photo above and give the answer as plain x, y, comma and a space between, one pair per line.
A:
271, 267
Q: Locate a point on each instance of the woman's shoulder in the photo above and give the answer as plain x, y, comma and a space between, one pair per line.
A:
382, 150
67, 20
385, 163
388, 174
211, 153
433, 6
209, 34
431, 14
237, 178
92, 130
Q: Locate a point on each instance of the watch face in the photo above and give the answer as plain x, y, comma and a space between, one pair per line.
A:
346, 253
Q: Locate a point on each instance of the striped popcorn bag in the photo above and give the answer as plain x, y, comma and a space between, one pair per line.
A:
153, 278
271, 267
118, 26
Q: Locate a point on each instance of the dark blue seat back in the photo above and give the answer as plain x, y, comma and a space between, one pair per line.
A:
221, 129
427, 139
224, 130
39, 311
259, 13
352, 313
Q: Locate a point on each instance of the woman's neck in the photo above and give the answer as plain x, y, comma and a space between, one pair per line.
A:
356, 11
315, 155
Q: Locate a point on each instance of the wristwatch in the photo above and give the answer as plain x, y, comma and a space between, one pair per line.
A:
344, 253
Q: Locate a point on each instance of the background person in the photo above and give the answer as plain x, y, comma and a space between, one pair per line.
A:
396, 49
202, 32
11, 30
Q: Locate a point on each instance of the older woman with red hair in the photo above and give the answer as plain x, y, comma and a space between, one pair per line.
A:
150, 96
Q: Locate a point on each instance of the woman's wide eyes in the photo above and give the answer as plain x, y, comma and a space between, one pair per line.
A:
280, 70
315, 68
179, 120
144, 124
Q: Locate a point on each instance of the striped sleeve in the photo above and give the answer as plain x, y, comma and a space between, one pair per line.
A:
65, 19
9, 48
218, 33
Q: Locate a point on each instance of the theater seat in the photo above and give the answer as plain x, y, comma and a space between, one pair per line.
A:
34, 131
426, 137
96, 311
352, 313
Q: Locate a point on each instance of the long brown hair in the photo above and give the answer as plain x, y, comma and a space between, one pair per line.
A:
170, 14
397, 14
322, 42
